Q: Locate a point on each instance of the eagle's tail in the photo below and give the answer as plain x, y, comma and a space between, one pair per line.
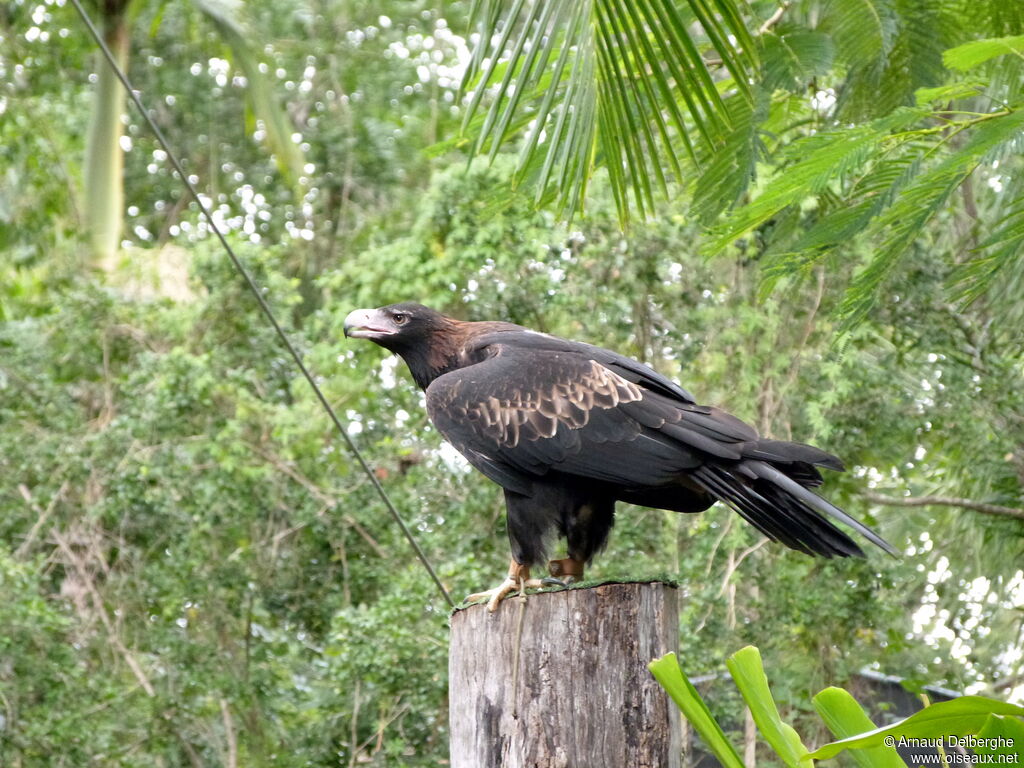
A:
769, 489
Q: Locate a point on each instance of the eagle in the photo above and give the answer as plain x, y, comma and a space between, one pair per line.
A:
568, 429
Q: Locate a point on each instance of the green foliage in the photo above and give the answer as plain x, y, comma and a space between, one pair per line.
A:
748, 674
666, 671
977, 52
863, 31
192, 561
964, 716
617, 83
844, 717
620, 88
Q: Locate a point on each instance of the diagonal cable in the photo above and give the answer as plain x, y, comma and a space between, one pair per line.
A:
173, 159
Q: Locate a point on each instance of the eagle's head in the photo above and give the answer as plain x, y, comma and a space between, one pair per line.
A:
430, 343
396, 326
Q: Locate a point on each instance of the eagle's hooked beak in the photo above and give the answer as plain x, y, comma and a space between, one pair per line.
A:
369, 324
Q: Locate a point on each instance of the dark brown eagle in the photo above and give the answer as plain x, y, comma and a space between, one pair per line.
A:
568, 429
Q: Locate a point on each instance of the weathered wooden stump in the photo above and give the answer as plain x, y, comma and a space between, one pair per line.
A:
581, 697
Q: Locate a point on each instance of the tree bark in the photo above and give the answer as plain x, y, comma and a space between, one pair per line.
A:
563, 682
104, 160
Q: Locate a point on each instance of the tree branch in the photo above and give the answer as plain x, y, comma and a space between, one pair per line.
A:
773, 19
944, 501
764, 29
229, 731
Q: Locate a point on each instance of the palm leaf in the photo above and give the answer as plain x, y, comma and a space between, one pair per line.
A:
618, 83
792, 57
863, 31
901, 223
993, 17
277, 124
909, 37
728, 170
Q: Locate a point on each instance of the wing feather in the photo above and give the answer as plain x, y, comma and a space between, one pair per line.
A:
533, 411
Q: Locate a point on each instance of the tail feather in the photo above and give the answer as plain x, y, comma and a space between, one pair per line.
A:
778, 515
768, 472
725, 488
783, 509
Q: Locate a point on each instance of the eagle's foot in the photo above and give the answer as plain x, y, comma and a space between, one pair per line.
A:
518, 580
568, 569
503, 590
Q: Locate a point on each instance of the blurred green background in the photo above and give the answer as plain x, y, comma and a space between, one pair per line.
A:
193, 570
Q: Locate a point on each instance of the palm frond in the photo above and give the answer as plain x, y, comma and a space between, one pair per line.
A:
998, 262
915, 33
728, 170
265, 105
619, 83
792, 57
991, 18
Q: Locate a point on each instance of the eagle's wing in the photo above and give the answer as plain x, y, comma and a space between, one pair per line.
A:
523, 411
530, 407
629, 369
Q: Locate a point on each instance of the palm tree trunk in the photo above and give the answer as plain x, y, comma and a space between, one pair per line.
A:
104, 162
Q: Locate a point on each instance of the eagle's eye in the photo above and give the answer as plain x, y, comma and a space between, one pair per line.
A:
400, 318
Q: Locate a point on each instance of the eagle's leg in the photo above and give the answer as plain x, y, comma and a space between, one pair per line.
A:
569, 570
518, 579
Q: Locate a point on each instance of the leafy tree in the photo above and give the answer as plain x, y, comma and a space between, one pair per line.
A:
906, 109
199, 575
103, 204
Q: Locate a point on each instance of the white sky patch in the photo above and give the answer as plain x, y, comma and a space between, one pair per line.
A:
388, 367
934, 626
452, 459
941, 572
823, 101
219, 69
873, 476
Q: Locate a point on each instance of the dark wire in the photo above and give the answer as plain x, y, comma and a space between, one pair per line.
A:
172, 158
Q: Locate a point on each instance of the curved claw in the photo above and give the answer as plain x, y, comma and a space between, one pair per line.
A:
500, 592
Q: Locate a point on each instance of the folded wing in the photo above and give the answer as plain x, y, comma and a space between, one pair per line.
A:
536, 405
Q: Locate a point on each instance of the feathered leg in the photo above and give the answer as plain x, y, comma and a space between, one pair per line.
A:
586, 530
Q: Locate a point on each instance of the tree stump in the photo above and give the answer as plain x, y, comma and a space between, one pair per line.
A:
581, 696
